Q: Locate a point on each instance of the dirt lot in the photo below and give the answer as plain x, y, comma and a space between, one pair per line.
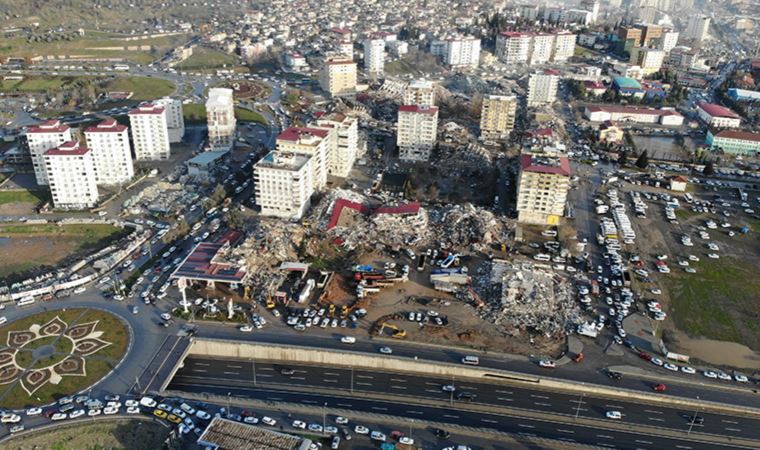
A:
112, 434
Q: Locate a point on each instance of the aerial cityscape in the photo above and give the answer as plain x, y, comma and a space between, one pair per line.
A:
434, 224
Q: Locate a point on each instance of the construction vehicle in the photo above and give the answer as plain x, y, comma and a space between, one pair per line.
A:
331, 309
396, 332
247, 292
269, 302
344, 311
368, 276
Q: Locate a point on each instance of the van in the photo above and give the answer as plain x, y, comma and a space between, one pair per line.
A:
148, 402
25, 301
542, 257
471, 360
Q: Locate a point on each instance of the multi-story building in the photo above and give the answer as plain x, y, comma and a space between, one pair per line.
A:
651, 35
342, 155
543, 183
150, 135
718, 116
542, 87
535, 48
513, 47
734, 142
649, 59
683, 57
374, 55
697, 28
284, 184
420, 92
591, 6
497, 116
669, 40
108, 142
629, 37
458, 52
416, 131
314, 142
71, 176
174, 119
637, 114
542, 48
338, 76
564, 46
220, 116
41, 138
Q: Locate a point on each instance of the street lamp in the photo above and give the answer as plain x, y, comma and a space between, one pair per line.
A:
693, 418
324, 417
229, 404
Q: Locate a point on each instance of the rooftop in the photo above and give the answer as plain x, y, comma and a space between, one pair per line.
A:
219, 97
418, 109
48, 126
283, 160
295, 134
207, 262
631, 110
226, 434
626, 83
740, 135
717, 110
545, 164
106, 126
149, 109
70, 148
342, 203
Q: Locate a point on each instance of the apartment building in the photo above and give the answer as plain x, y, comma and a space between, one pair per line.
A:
543, 182
416, 131
220, 116
150, 135
70, 172
734, 142
458, 52
343, 153
669, 40
108, 142
564, 46
338, 76
637, 114
41, 138
629, 37
420, 92
175, 122
374, 56
541, 49
591, 6
718, 116
313, 142
513, 47
649, 59
284, 184
535, 48
542, 87
497, 116
697, 28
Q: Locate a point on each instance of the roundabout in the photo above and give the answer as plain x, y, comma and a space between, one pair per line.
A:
48, 355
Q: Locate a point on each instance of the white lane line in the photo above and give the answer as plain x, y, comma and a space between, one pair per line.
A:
274, 398
240, 367
606, 445
450, 416
577, 401
330, 381
308, 401
683, 447
539, 396
345, 405
605, 436
380, 408
398, 387
525, 433
231, 373
729, 421
562, 430
638, 441
614, 406
499, 391
432, 384
522, 425
271, 369
650, 411
333, 374
365, 376
201, 364
471, 388
432, 390
399, 380
656, 419
732, 429
298, 378
415, 412
505, 399
548, 405
363, 384
489, 421
263, 375
198, 370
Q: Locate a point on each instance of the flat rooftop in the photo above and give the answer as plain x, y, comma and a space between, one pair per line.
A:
205, 263
283, 160
226, 434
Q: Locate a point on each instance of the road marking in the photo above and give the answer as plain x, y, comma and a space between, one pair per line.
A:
562, 430
522, 425
380, 408
399, 380
308, 401
644, 442
240, 367
683, 446
201, 364
274, 398
657, 419
489, 421
432, 384
652, 411
363, 384
332, 374
450, 416
733, 429
539, 396
605, 436
525, 433
346, 405
729, 421
330, 381
365, 376
432, 390
270, 369
614, 406
549, 405
415, 412
263, 375
472, 388
398, 387
577, 401
231, 373
606, 445
198, 370
503, 392
298, 378
505, 399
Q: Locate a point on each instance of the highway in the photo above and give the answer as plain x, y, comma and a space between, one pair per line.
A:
220, 377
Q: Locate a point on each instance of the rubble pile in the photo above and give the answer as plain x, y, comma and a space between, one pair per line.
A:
472, 156
522, 298
322, 211
462, 225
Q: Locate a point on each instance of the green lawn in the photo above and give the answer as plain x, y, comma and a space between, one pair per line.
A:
86, 234
206, 58
23, 196
40, 83
719, 301
144, 88
246, 115
196, 113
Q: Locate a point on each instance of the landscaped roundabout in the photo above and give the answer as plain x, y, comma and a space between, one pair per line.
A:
57, 353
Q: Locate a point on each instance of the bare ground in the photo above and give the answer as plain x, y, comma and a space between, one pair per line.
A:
112, 434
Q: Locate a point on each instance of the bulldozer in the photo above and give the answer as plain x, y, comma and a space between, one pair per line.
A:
396, 332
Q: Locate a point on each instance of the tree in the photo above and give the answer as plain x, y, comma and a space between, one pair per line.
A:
709, 169
623, 158
643, 161
219, 193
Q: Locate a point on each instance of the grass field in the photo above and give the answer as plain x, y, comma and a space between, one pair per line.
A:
23, 196
41, 83
206, 58
144, 88
196, 113
719, 301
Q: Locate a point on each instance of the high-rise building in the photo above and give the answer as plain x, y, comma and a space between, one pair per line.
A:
629, 37
593, 7
71, 176
108, 142
150, 135
41, 138
669, 40
564, 46
458, 52
535, 48
543, 183
697, 28
497, 116
175, 122
513, 47
542, 48
417, 131
342, 155
338, 76
284, 184
374, 56
651, 35
220, 116
649, 59
314, 142
420, 92
542, 87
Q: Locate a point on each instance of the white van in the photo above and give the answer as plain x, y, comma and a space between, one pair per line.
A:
542, 257
471, 360
25, 301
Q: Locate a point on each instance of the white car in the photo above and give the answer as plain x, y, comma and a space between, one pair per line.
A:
655, 291
724, 376
10, 418
377, 436
615, 415
80, 290
203, 415
689, 370
266, 420
315, 427
251, 420
713, 256
130, 403
386, 350
547, 363
76, 413
110, 410
694, 258
341, 420
448, 388
406, 440
246, 328
94, 412
348, 339
670, 366
656, 361
58, 416
34, 411
133, 410
741, 378
301, 425
360, 429
710, 374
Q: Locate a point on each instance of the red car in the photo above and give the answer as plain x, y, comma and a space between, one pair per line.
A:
645, 356
659, 387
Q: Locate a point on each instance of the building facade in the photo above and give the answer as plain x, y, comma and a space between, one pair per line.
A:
458, 52
108, 143
313, 142
542, 88
417, 131
41, 138
284, 184
374, 56
220, 117
175, 122
497, 116
338, 77
734, 142
697, 29
543, 183
420, 92
718, 116
71, 176
649, 59
150, 134
342, 156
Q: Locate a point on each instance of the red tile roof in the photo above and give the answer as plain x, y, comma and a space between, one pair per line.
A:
418, 109
106, 126
741, 135
68, 149
341, 203
149, 109
293, 134
530, 164
717, 110
48, 126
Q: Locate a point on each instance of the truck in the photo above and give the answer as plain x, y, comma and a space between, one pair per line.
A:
363, 268
421, 264
306, 292
369, 276
594, 288
446, 263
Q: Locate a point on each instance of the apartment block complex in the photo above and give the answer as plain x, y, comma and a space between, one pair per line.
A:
342, 152
497, 116
108, 143
150, 135
312, 142
535, 48
71, 176
220, 116
543, 183
649, 59
284, 184
416, 131
175, 122
338, 76
374, 56
458, 52
542, 87
41, 138
420, 92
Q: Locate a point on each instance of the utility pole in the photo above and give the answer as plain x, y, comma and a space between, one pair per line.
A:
578, 409
229, 404
352, 379
324, 417
453, 388
693, 419
253, 363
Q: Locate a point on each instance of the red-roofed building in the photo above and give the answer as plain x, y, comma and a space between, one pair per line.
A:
150, 133
41, 138
312, 142
595, 88
734, 142
111, 153
543, 183
71, 175
341, 204
718, 116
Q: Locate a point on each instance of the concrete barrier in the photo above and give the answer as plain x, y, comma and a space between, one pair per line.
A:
273, 352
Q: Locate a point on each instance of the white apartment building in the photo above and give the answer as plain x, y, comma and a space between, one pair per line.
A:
338, 76
497, 116
669, 40
175, 122
220, 117
314, 142
513, 47
71, 176
342, 155
697, 28
535, 48
374, 56
564, 46
420, 92
458, 52
542, 87
283, 184
649, 59
108, 143
543, 183
416, 132
591, 6
150, 135
41, 138
542, 49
